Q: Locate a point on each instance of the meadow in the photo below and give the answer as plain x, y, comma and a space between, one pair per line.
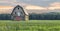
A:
32, 25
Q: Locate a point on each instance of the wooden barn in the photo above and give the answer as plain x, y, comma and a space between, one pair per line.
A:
19, 13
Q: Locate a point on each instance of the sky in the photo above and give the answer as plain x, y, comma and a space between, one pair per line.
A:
33, 2
39, 2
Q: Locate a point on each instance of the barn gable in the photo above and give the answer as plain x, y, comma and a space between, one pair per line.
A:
18, 12
18, 8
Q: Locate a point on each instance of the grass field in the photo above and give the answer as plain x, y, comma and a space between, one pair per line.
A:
32, 25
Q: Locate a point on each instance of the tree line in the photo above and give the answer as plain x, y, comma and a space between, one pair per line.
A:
5, 17
45, 16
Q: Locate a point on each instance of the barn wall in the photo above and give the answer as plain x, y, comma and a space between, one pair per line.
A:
26, 17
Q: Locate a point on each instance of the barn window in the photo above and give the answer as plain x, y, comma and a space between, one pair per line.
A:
15, 12
18, 13
21, 12
18, 8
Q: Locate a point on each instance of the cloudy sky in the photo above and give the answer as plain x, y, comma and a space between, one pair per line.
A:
33, 2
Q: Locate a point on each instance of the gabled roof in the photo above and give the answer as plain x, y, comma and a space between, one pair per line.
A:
21, 8
15, 7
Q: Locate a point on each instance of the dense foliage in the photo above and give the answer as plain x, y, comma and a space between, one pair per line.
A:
41, 25
5, 16
45, 16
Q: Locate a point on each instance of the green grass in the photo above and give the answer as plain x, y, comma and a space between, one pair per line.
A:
32, 25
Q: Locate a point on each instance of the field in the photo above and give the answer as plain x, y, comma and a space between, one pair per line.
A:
32, 25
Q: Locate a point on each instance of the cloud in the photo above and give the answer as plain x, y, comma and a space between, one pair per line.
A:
45, 0
55, 4
28, 0
11, 2
7, 1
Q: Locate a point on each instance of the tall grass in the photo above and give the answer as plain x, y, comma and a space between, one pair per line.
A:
36, 25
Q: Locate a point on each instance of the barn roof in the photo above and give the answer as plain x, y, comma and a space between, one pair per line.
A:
21, 8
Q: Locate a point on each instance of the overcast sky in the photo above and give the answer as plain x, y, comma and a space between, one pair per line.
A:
33, 2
